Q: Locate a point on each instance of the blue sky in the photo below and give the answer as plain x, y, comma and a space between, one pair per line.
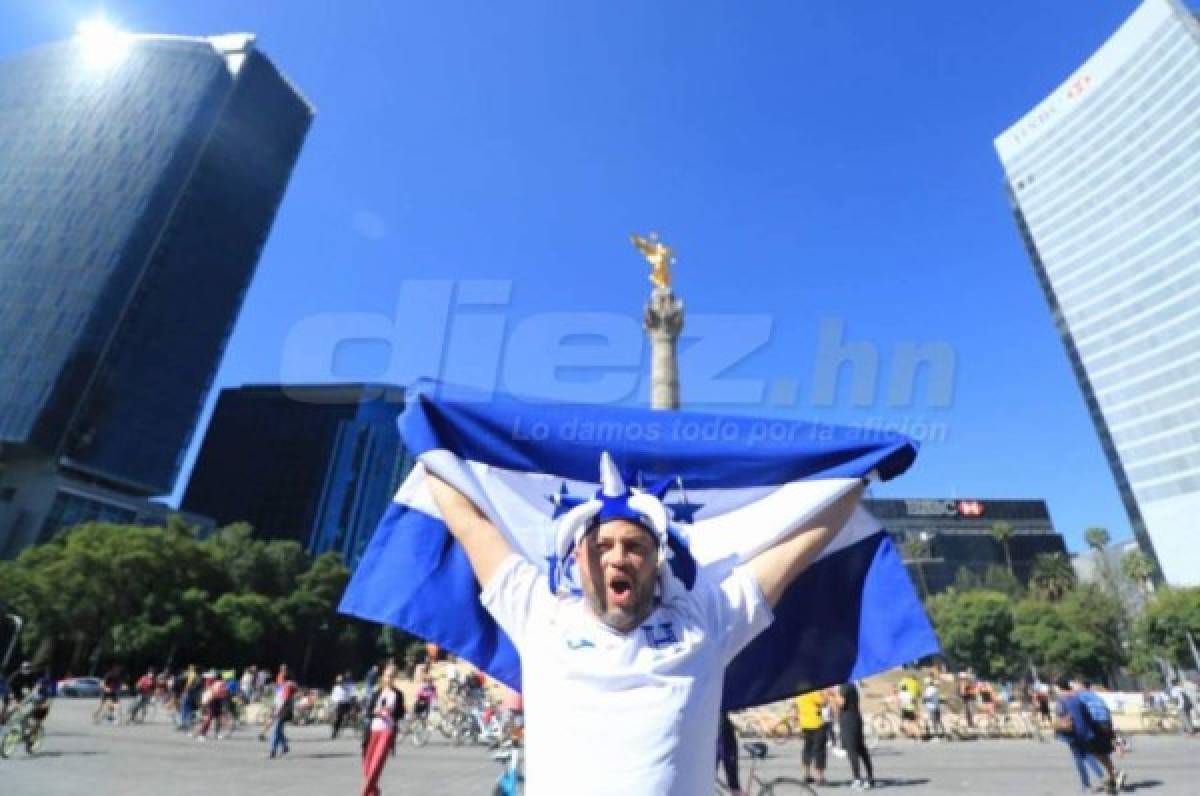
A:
812, 162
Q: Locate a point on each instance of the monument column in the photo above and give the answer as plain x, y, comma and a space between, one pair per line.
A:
663, 321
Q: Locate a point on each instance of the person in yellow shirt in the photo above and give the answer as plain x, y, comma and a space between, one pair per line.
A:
812, 726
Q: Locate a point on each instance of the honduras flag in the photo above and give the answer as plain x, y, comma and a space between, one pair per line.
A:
739, 485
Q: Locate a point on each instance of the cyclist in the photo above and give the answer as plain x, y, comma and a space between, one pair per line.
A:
145, 693
110, 697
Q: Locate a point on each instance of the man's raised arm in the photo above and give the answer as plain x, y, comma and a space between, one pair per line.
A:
486, 547
776, 567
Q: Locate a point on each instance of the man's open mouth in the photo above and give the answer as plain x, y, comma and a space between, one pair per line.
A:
620, 589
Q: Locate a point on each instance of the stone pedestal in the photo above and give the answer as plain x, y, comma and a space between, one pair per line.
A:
663, 321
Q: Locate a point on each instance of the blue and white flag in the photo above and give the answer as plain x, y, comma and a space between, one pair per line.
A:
741, 485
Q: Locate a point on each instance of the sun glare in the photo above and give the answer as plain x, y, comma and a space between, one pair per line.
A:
103, 43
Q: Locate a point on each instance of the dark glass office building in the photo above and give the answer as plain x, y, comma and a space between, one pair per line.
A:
316, 464
958, 535
136, 193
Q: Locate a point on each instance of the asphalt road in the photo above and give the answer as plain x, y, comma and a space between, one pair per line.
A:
82, 758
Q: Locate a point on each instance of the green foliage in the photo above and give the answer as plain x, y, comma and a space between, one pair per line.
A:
966, 580
1079, 635
105, 592
1002, 532
998, 578
1137, 567
1052, 576
975, 629
1164, 625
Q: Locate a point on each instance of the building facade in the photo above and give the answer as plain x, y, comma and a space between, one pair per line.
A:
1104, 179
957, 535
136, 194
317, 464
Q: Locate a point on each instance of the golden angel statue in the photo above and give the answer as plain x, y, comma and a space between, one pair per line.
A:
659, 255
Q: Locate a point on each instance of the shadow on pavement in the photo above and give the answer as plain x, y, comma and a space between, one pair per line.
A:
86, 753
1145, 783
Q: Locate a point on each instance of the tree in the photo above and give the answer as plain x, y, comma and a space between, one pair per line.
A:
997, 578
1002, 532
916, 550
966, 579
1052, 576
1137, 567
1080, 635
975, 629
1166, 622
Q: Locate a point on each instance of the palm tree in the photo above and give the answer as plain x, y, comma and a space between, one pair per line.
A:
1052, 576
916, 550
1098, 539
1137, 568
1002, 532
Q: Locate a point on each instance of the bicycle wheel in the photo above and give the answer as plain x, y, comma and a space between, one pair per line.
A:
883, 726
786, 786
420, 733
33, 742
9, 743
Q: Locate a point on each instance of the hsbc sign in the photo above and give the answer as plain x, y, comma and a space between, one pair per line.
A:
943, 508
970, 508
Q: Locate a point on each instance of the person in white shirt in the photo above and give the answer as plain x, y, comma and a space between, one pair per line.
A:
340, 697
622, 684
932, 697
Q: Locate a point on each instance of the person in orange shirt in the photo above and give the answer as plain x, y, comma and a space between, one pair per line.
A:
812, 726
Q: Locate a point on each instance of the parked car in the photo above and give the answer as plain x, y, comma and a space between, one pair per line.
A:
80, 687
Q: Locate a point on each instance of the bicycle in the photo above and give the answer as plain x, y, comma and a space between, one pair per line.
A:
779, 786
25, 725
1157, 720
143, 709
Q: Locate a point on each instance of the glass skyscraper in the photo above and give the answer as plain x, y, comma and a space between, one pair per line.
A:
136, 193
317, 464
1104, 179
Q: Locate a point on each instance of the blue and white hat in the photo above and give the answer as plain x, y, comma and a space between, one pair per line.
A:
615, 501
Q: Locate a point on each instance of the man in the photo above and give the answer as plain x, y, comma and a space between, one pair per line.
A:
1087, 747
340, 697
624, 679
145, 695
966, 692
812, 727
1183, 704
932, 699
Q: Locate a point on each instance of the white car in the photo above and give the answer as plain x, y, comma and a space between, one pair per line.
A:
80, 687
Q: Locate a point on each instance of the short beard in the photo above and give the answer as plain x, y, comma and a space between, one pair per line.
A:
618, 619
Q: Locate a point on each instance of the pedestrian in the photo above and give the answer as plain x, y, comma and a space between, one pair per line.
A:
247, 686
812, 727
850, 722
1087, 750
932, 700
1182, 701
966, 692
385, 710
285, 702
340, 698
213, 700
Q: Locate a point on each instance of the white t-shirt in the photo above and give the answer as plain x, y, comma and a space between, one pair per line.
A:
631, 713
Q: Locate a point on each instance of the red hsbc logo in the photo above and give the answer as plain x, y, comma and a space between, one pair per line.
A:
970, 508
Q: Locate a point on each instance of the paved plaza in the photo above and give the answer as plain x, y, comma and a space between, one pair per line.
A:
80, 758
